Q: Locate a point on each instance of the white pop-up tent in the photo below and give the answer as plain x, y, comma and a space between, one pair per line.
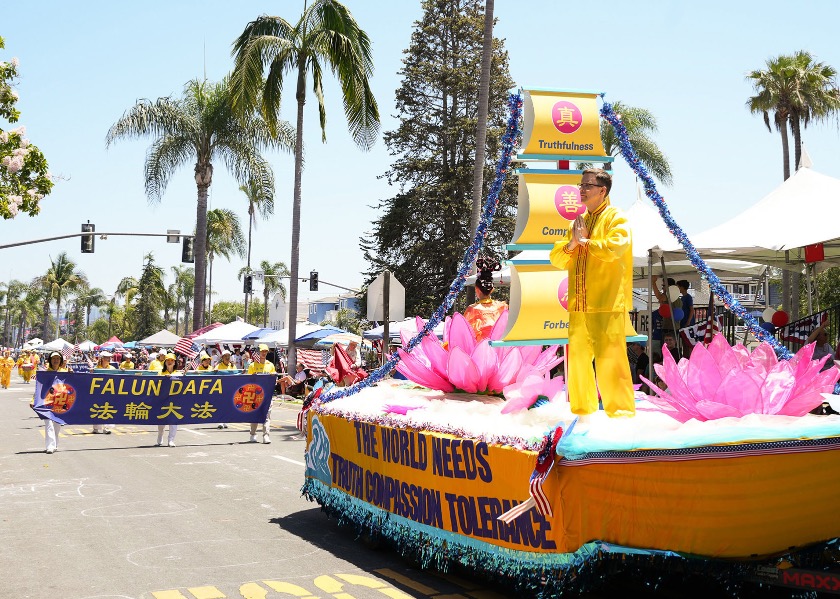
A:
800, 212
281, 338
233, 332
56, 345
162, 338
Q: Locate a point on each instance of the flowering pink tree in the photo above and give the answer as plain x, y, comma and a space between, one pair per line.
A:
24, 175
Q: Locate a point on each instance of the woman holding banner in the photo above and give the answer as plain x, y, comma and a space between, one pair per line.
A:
52, 429
168, 370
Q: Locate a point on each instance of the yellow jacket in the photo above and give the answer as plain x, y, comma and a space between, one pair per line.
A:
223, 366
601, 271
261, 368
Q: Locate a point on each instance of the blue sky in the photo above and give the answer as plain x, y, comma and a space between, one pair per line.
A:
84, 64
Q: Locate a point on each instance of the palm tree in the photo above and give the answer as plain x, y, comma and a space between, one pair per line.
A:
326, 35
816, 97
201, 127
224, 237
640, 124
774, 90
95, 297
183, 278
272, 282
61, 277
127, 288
256, 203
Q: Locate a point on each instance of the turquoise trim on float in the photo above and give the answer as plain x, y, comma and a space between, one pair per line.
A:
556, 157
630, 339
521, 247
562, 91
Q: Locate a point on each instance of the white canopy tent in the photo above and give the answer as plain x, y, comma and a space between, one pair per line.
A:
56, 345
281, 338
409, 325
233, 332
770, 231
33, 343
87, 345
162, 338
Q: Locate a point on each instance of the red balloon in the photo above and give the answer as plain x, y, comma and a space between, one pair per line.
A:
780, 318
665, 310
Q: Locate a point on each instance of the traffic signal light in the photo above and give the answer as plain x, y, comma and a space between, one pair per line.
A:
187, 250
88, 240
248, 284
313, 280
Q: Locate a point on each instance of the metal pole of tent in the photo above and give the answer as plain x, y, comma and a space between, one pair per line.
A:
668, 297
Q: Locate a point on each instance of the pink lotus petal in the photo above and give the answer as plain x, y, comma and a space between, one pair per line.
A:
399, 409
509, 367
777, 389
484, 359
521, 396
462, 372
548, 359
461, 334
553, 388
723, 354
499, 327
765, 356
676, 385
416, 371
668, 400
530, 353
711, 410
739, 391
437, 356
703, 373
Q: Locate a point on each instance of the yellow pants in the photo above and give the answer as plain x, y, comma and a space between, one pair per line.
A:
599, 336
27, 374
5, 378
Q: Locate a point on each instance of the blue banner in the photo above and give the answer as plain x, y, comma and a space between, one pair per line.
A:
119, 398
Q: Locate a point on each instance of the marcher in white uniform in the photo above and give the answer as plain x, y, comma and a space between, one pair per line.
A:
168, 370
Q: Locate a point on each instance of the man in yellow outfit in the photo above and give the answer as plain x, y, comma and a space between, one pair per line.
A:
7, 363
597, 254
262, 366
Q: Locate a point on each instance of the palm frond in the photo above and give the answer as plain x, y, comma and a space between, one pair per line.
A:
163, 158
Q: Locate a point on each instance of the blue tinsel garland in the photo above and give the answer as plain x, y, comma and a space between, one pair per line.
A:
717, 287
509, 141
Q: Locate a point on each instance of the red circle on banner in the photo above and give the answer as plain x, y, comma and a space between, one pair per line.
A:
567, 201
665, 310
567, 117
563, 293
780, 318
60, 398
248, 398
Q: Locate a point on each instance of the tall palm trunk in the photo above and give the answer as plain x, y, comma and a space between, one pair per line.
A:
46, 331
203, 178
795, 276
786, 282
481, 128
248, 264
58, 315
209, 291
293, 282
177, 313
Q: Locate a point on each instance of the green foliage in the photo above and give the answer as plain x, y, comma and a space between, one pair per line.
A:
149, 300
24, 173
196, 131
425, 227
228, 311
61, 278
640, 123
348, 320
98, 331
828, 288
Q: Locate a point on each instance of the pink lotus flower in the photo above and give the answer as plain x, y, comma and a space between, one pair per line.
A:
523, 394
721, 381
464, 364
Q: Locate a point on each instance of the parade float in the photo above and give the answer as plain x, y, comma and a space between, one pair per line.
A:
477, 460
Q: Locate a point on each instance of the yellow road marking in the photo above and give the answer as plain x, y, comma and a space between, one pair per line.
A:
289, 588
206, 593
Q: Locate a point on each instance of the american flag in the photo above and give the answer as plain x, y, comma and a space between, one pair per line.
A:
313, 359
712, 325
186, 347
192, 364
67, 352
703, 332
255, 355
799, 331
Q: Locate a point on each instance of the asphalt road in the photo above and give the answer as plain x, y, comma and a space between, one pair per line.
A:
113, 516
